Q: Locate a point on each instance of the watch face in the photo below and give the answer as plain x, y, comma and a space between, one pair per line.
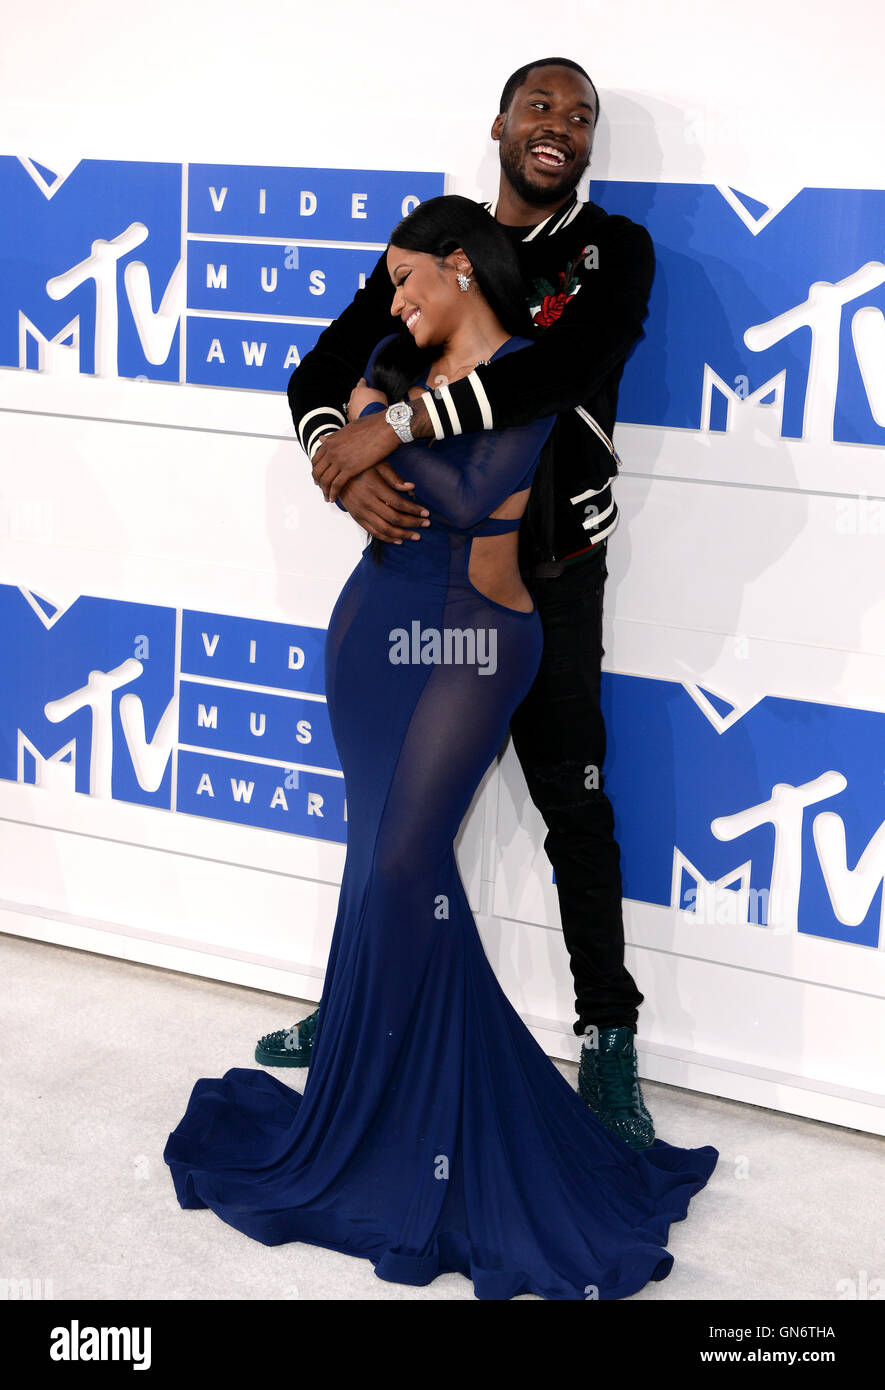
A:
400, 413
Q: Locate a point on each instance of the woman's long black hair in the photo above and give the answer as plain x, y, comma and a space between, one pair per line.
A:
439, 227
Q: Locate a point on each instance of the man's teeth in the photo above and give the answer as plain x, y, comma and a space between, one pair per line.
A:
413, 318
548, 154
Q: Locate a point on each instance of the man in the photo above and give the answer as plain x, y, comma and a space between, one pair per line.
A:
590, 274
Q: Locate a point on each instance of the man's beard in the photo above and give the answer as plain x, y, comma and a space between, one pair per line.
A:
511, 163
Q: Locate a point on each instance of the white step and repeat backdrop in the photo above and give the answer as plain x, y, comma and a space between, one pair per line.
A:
186, 198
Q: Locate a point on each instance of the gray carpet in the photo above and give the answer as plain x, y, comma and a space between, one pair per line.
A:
99, 1056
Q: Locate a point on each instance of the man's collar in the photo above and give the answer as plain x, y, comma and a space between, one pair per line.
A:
552, 224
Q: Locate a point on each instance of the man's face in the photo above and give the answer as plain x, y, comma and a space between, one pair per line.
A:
547, 134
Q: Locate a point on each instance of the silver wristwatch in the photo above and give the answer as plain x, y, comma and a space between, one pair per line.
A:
399, 414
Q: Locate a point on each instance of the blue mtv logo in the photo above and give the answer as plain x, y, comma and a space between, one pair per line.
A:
774, 817
91, 276
87, 699
763, 308
214, 274
93, 702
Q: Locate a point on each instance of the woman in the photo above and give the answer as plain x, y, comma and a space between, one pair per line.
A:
434, 1134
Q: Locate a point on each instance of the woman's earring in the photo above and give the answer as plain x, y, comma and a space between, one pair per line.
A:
463, 281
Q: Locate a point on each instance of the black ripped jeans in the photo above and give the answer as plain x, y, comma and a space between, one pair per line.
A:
559, 737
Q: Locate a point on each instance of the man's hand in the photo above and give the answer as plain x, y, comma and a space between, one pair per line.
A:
373, 499
346, 453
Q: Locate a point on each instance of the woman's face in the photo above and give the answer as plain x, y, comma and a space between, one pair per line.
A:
426, 294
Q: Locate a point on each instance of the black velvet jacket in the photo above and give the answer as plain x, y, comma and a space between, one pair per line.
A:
588, 276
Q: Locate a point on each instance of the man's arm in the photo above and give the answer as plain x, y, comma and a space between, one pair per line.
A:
486, 468
564, 368
571, 359
320, 386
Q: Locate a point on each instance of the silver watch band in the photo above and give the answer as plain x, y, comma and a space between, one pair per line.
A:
398, 415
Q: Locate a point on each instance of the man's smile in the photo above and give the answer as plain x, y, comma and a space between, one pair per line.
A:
550, 155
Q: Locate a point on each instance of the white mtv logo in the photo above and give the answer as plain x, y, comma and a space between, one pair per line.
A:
821, 312
728, 899
57, 771
155, 330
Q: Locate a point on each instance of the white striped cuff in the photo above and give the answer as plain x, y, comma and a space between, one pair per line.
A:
317, 438
439, 432
322, 415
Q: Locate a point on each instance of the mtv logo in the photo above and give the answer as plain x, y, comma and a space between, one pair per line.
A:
94, 680
85, 254
781, 806
757, 307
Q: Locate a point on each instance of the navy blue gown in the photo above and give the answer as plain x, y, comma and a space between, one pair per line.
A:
434, 1134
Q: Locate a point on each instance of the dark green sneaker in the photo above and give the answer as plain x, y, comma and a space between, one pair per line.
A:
608, 1081
288, 1047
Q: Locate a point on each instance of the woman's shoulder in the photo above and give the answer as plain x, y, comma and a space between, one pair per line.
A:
514, 343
